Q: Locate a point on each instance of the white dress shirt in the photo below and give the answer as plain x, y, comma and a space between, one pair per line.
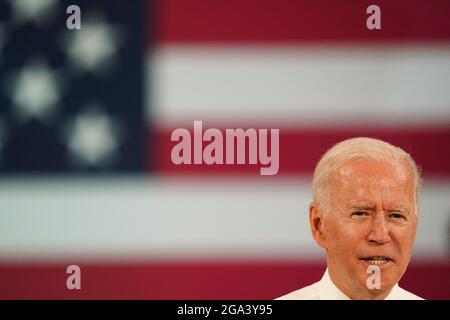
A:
325, 289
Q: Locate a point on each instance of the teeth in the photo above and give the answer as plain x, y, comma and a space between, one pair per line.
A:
377, 261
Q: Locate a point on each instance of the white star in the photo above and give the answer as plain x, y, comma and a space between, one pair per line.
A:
35, 92
34, 10
93, 47
93, 139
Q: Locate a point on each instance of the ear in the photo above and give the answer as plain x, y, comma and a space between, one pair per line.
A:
317, 225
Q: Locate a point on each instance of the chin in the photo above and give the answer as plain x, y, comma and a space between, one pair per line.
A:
389, 277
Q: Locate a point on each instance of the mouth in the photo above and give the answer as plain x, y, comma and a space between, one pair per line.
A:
377, 260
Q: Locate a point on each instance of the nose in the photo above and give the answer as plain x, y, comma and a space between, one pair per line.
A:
379, 230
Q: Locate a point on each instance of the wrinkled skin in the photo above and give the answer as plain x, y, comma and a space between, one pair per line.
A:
372, 212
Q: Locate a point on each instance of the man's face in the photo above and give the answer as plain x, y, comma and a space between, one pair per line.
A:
371, 221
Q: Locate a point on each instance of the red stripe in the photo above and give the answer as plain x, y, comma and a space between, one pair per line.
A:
272, 21
300, 149
192, 280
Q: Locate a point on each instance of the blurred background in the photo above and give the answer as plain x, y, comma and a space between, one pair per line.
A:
86, 116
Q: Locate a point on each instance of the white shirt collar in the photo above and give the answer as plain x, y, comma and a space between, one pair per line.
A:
327, 290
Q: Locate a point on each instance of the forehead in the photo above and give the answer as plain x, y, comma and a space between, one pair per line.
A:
366, 178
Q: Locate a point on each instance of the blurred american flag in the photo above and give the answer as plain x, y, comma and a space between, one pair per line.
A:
86, 117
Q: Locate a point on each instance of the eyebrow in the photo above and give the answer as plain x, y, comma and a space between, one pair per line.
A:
363, 207
372, 208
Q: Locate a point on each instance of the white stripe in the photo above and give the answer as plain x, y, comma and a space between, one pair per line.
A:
125, 218
302, 84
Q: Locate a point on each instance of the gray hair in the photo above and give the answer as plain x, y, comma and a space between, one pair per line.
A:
350, 149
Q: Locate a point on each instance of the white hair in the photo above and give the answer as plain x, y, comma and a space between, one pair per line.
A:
354, 148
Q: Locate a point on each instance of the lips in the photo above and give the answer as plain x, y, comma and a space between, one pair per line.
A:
377, 260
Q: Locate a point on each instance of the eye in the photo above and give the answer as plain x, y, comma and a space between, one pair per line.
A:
359, 213
396, 216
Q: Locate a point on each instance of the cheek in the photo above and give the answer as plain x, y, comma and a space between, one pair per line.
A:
345, 235
405, 238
